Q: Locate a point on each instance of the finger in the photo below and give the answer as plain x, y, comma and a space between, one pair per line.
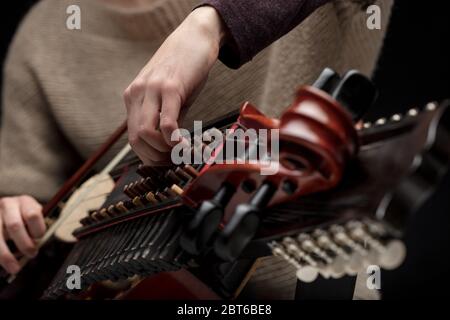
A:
5, 234
148, 154
170, 112
16, 228
133, 98
7, 259
134, 95
149, 123
133, 109
32, 215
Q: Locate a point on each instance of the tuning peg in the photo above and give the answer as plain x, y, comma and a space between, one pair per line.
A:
308, 245
326, 266
340, 259
381, 122
396, 118
413, 112
354, 90
375, 228
358, 234
327, 81
389, 256
431, 106
206, 220
356, 93
357, 252
293, 248
305, 273
243, 225
394, 251
393, 255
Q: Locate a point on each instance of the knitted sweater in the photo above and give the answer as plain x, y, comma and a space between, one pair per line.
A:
255, 24
63, 88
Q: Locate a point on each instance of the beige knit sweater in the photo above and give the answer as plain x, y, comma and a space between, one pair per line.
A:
63, 88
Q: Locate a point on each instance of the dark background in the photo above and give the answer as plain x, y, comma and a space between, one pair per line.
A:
414, 69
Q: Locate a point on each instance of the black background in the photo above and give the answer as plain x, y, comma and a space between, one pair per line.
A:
414, 69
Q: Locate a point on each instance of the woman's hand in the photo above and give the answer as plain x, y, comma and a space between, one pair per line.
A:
170, 81
21, 221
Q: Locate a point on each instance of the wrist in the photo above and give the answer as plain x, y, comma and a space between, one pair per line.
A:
209, 22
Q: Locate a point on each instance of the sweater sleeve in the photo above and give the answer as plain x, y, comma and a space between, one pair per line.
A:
255, 24
35, 158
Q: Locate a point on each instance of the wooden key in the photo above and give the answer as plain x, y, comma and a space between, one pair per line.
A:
177, 189
96, 216
173, 177
160, 196
139, 187
121, 207
113, 211
137, 202
182, 174
191, 171
86, 221
170, 193
129, 205
127, 191
133, 189
103, 213
151, 198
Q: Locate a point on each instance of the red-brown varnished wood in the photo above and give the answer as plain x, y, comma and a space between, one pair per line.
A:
317, 137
